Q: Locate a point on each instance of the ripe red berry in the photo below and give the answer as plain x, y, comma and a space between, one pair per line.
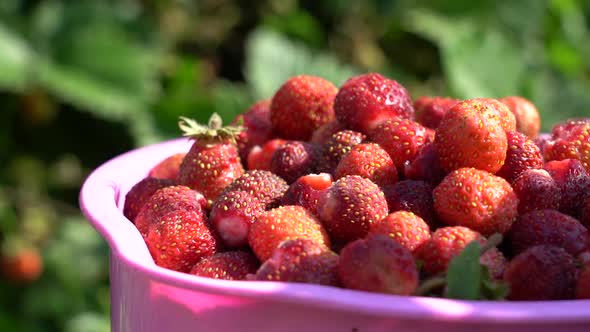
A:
365, 100
522, 154
426, 166
24, 266
548, 227
294, 159
229, 265
283, 223
324, 132
476, 199
583, 283
307, 190
584, 213
140, 193
430, 110
527, 117
350, 206
563, 129
259, 157
541, 273
168, 168
536, 190
303, 261
301, 105
411, 195
573, 181
405, 227
378, 264
573, 142
333, 149
267, 187
258, 129
369, 161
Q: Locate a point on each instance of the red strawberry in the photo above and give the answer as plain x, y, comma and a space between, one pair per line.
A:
180, 239
413, 196
212, 162
536, 190
284, 223
584, 213
168, 168
369, 161
350, 206
548, 227
307, 190
541, 273
165, 201
365, 100
541, 141
378, 264
260, 157
301, 105
583, 283
232, 214
401, 138
301, 261
230, 265
294, 159
527, 117
563, 129
573, 181
471, 134
22, 266
430, 110
405, 227
476, 199
505, 115
140, 193
522, 154
267, 187
573, 142
426, 166
258, 129
324, 132
446, 243
335, 147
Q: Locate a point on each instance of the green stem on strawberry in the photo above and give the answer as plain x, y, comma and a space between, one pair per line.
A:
212, 133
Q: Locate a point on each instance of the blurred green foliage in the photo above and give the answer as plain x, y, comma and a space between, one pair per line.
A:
82, 81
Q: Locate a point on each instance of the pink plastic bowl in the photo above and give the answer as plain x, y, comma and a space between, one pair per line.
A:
147, 298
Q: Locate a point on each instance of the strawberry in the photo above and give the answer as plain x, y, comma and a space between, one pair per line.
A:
301, 261
401, 138
232, 214
471, 134
571, 142
180, 239
350, 206
229, 265
267, 187
522, 154
504, 114
294, 159
430, 110
413, 196
476, 199
563, 129
284, 223
527, 117
541, 141
548, 227
335, 147
405, 227
167, 168
369, 161
165, 201
301, 105
378, 264
23, 266
307, 190
259, 157
140, 193
584, 213
325, 131
365, 100
258, 129
583, 283
536, 190
573, 181
212, 162
541, 273
446, 243
426, 166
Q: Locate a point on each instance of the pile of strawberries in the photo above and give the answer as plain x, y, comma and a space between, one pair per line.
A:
363, 188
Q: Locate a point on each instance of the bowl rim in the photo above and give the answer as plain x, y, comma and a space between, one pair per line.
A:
101, 194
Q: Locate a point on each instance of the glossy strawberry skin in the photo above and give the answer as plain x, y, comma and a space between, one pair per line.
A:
168, 168
301, 261
413, 196
572, 142
476, 199
307, 190
378, 264
536, 190
258, 129
294, 159
573, 181
405, 227
259, 157
333, 149
526, 114
365, 100
232, 214
522, 154
430, 110
541, 273
138, 195
284, 223
229, 265
369, 161
350, 206
301, 105
267, 187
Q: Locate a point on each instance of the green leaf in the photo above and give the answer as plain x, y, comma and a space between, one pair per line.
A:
271, 59
15, 59
464, 274
492, 289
